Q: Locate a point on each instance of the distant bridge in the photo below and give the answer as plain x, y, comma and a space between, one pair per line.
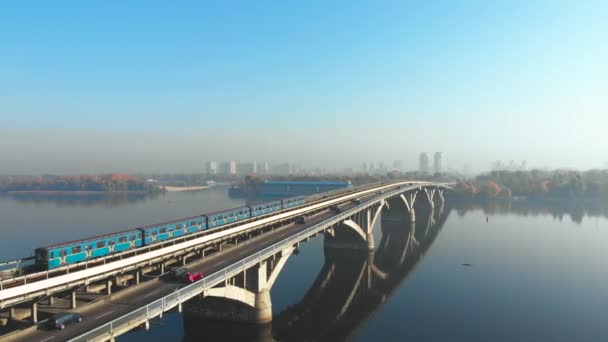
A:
244, 263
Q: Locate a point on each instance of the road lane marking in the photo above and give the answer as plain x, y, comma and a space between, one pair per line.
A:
105, 314
151, 293
48, 338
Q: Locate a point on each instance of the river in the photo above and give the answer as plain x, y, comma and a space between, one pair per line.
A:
500, 273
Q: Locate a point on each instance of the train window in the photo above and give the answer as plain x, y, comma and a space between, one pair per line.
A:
163, 230
154, 233
111, 242
101, 244
88, 247
63, 253
122, 239
76, 250
132, 238
179, 226
51, 254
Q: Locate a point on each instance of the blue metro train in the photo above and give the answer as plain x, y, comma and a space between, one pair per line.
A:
61, 254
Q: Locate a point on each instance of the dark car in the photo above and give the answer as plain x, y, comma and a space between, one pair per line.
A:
59, 321
302, 220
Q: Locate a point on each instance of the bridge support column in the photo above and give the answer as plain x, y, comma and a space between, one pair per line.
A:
430, 194
263, 307
162, 267
73, 301
11, 313
137, 277
35, 313
51, 300
109, 287
409, 200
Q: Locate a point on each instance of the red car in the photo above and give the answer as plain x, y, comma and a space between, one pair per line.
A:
186, 276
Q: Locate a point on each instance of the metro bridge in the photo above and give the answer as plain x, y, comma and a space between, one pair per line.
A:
243, 260
349, 289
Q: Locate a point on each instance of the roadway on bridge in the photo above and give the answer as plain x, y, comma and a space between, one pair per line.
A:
138, 296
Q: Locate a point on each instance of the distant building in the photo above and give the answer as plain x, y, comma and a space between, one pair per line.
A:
424, 162
246, 168
437, 162
228, 168
397, 165
264, 168
211, 167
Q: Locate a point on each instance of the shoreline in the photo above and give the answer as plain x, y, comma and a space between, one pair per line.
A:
72, 192
185, 188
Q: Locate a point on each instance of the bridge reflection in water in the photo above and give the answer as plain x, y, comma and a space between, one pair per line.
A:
352, 285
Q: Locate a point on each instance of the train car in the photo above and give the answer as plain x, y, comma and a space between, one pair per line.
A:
221, 218
164, 231
265, 208
293, 202
71, 252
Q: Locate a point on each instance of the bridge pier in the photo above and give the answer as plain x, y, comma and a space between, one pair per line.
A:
34, 309
246, 301
73, 300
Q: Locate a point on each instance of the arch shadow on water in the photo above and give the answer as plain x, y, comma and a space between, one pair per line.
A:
352, 285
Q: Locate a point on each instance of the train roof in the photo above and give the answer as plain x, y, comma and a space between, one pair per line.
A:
172, 221
73, 242
225, 211
96, 237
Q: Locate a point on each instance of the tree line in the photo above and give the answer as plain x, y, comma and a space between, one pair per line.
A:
85, 183
537, 184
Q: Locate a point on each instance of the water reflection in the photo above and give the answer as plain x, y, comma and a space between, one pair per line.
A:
576, 210
80, 200
351, 286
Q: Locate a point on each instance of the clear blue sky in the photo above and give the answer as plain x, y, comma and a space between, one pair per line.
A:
164, 85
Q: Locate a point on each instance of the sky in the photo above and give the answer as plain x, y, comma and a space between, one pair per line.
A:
162, 86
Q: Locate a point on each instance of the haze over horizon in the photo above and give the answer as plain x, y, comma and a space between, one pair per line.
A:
93, 87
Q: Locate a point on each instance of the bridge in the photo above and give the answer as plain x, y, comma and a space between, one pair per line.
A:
349, 289
242, 261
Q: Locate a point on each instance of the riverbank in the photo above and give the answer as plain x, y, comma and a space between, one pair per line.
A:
185, 188
72, 192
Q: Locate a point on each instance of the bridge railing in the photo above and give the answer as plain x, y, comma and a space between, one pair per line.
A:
174, 299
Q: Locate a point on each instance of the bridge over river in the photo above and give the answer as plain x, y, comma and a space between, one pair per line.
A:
241, 262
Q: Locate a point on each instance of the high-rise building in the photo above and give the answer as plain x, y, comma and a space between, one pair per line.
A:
437, 162
424, 162
228, 168
265, 168
211, 167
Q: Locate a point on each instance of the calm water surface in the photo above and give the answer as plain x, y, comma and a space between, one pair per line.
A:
471, 276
